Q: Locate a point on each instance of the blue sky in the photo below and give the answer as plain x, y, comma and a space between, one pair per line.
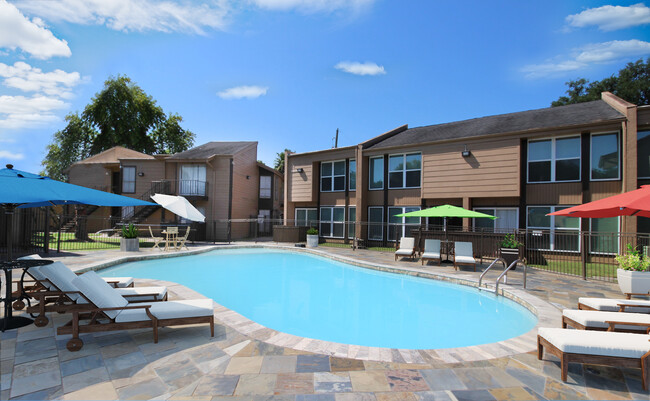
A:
288, 73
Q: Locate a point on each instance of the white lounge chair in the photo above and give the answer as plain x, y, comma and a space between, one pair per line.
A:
406, 248
109, 311
118, 282
622, 350
612, 321
62, 295
464, 254
431, 251
614, 305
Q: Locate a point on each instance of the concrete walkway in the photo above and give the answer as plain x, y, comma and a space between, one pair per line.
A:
241, 363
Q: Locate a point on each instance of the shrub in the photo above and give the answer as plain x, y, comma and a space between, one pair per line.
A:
509, 241
129, 231
633, 260
312, 231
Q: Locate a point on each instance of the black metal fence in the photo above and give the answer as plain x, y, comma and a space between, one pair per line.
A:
571, 252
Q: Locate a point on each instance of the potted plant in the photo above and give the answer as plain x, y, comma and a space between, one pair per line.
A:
129, 241
312, 238
509, 249
633, 275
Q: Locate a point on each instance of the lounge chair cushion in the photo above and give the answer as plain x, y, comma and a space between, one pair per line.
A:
431, 255
169, 310
465, 259
99, 292
597, 319
159, 291
432, 245
122, 282
405, 252
611, 305
605, 343
62, 277
407, 243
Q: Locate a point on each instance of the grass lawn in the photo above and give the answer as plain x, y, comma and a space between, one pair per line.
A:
94, 242
575, 268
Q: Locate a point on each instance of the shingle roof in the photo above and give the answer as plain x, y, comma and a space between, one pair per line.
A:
552, 117
113, 155
210, 149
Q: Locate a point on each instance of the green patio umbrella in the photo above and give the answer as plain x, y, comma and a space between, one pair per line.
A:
446, 211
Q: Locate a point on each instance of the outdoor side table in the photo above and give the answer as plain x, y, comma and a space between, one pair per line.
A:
9, 321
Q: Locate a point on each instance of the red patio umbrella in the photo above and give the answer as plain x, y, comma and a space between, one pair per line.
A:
633, 203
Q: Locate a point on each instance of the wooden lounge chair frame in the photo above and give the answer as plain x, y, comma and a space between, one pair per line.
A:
411, 255
99, 321
621, 307
644, 328
620, 362
464, 263
439, 258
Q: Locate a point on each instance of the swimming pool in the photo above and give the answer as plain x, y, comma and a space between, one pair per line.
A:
315, 297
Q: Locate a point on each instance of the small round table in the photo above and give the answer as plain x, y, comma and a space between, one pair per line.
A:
9, 321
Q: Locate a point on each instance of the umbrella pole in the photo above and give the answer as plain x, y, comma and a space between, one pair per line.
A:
9, 213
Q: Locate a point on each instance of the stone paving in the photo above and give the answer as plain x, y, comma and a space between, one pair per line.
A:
188, 364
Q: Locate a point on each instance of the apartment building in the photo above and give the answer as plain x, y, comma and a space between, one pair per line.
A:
518, 166
223, 180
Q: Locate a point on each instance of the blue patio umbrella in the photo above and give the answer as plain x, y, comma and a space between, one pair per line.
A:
20, 189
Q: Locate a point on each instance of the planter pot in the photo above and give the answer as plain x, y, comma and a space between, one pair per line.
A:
129, 244
632, 282
312, 241
510, 255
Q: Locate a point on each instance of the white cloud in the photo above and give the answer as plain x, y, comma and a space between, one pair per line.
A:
18, 32
312, 6
134, 15
597, 53
5, 154
610, 18
243, 92
18, 112
357, 68
29, 79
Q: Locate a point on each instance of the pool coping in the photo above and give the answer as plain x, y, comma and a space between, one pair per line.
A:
547, 315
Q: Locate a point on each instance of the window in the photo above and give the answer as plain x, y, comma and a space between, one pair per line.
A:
563, 232
265, 186
376, 176
127, 212
353, 175
332, 222
128, 180
306, 217
643, 154
375, 223
352, 219
192, 180
401, 226
554, 160
507, 219
605, 157
404, 170
332, 176
604, 235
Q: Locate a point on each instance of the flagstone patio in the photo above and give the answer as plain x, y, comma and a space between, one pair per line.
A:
239, 364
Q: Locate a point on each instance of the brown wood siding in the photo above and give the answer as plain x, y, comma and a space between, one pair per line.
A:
245, 191
492, 170
565, 193
643, 118
495, 202
154, 170
90, 176
332, 198
218, 179
304, 187
375, 198
404, 197
604, 189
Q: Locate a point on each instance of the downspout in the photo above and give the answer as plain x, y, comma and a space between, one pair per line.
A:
230, 202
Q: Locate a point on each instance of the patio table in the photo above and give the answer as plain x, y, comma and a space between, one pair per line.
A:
9, 321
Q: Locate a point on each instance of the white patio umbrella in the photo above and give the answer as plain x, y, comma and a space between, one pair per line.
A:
179, 205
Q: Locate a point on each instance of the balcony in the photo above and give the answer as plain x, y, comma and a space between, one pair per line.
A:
193, 189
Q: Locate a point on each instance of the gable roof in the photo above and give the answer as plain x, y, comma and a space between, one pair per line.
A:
113, 155
531, 120
210, 149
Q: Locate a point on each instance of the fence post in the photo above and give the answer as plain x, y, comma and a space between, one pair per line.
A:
583, 254
229, 228
46, 232
58, 239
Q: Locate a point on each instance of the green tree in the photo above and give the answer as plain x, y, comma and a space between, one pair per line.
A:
278, 164
632, 84
121, 114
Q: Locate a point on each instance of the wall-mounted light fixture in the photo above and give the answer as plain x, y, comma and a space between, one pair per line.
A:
140, 174
299, 170
466, 152
248, 177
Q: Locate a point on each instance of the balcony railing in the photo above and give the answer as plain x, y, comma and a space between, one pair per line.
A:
192, 188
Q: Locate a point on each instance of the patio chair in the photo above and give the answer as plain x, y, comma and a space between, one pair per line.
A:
108, 311
614, 305
622, 350
464, 254
117, 282
406, 248
181, 241
606, 321
431, 251
156, 240
61, 295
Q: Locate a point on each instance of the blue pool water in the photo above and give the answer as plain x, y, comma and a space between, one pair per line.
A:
315, 297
